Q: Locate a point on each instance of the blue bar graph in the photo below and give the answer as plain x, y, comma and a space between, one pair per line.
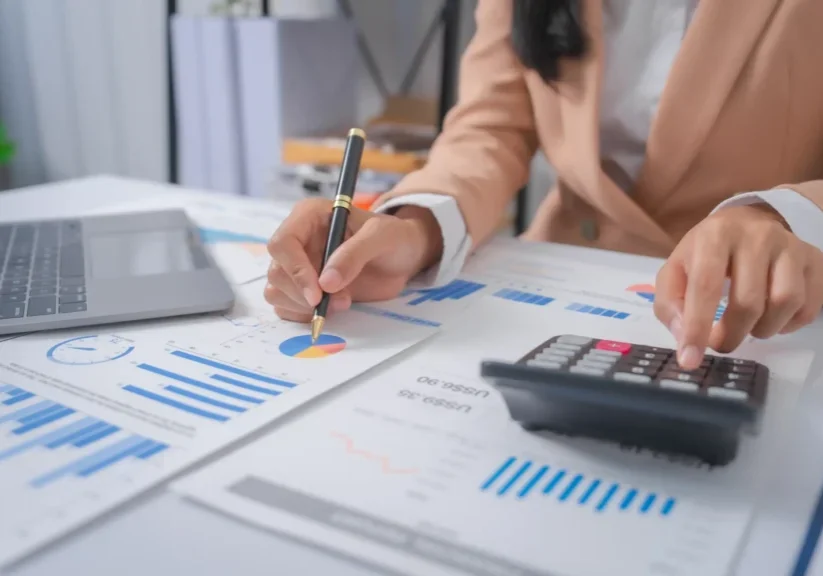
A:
175, 404
456, 290
533, 482
150, 451
52, 417
231, 369
19, 398
607, 497
628, 499
204, 399
519, 479
498, 473
199, 384
244, 386
47, 409
513, 480
95, 436
571, 488
589, 492
648, 503
523, 297
91, 426
101, 457
554, 482
76, 434
23, 412
597, 311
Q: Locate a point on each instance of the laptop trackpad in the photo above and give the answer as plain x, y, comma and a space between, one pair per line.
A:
128, 254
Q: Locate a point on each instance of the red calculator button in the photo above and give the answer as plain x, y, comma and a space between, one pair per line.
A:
613, 346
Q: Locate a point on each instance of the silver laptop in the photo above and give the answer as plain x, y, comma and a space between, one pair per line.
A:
104, 269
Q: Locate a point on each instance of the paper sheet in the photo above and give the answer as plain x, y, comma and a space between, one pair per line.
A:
529, 274
421, 470
90, 418
236, 232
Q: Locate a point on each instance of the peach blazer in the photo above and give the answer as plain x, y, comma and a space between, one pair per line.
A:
742, 111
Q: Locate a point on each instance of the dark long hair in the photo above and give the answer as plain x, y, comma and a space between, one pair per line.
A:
546, 31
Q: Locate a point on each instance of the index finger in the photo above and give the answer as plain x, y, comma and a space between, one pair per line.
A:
706, 277
288, 248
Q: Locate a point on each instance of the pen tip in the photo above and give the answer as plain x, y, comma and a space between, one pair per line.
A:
316, 327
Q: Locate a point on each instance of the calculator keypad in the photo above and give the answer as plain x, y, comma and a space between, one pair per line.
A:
717, 377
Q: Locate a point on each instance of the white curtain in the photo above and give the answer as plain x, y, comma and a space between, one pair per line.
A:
83, 88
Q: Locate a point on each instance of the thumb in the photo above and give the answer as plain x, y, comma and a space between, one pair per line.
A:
670, 293
374, 239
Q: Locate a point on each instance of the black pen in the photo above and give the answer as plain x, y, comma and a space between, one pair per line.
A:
355, 143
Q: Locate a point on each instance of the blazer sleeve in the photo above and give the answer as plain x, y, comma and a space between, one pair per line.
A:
482, 157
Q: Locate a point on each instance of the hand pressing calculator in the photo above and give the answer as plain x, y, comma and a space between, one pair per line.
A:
634, 395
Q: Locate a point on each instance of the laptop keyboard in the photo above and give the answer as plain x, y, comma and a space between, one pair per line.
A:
42, 269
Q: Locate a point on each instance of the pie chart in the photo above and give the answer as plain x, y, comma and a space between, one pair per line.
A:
301, 346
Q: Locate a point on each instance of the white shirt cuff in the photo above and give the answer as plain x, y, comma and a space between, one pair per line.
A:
803, 216
456, 240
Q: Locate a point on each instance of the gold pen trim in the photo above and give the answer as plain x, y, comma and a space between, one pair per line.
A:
357, 132
316, 327
342, 202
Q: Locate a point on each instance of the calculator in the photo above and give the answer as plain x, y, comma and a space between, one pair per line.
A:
634, 395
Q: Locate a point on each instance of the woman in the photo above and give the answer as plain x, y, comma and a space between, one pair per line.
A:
687, 129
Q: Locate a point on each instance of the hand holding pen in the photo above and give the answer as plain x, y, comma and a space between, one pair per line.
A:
370, 257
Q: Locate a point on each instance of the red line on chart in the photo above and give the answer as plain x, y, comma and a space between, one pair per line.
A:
385, 464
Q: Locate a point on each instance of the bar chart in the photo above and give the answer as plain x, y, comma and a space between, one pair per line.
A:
84, 446
597, 311
59, 465
521, 479
523, 297
455, 290
203, 387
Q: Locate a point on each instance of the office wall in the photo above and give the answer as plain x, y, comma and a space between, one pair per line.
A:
83, 90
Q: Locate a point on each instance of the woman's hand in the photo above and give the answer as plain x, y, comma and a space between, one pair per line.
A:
380, 255
776, 282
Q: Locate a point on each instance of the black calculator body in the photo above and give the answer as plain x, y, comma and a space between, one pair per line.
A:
634, 395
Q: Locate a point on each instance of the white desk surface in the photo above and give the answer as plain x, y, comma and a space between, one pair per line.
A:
162, 533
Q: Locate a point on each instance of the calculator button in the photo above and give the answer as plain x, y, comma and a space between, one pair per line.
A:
680, 376
720, 382
597, 357
570, 347
576, 340
611, 345
645, 363
735, 369
653, 349
679, 385
650, 356
736, 362
544, 364
727, 393
545, 357
586, 370
629, 377
559, 352
605, 366
604, 354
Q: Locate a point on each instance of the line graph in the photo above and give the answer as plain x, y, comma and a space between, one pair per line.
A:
384, 461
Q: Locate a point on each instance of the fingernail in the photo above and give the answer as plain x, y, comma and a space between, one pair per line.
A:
331, 279
689, 357
676, 328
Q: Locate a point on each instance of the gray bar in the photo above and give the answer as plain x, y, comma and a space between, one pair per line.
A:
379, 531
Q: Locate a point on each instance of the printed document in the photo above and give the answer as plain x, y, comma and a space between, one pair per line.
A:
420, 469
90, 418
